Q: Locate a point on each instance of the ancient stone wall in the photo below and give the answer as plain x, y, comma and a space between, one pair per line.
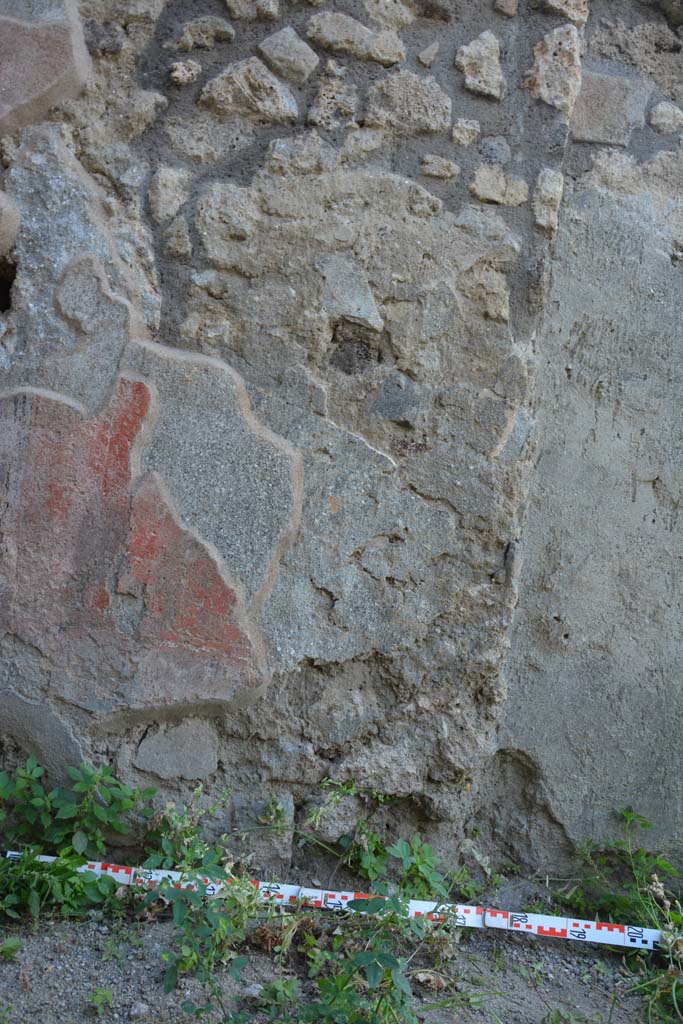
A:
340, 406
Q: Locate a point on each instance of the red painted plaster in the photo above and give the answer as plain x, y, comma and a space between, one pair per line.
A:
102, 573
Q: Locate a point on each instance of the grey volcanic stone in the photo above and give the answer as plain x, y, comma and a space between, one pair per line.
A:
188, 750
609, 107
43, 59
248, 87
289, 55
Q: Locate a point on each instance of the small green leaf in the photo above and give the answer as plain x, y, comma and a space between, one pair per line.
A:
400, 849
10, 947
100, 812
79, 841
237, 966
369, 906
363, 959
171, 978
373, 973
401, 982
67, 811
179, 911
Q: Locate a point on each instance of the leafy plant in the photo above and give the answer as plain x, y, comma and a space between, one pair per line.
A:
9, 947
30, 886
421, 876
360, 977
630, 884
175, 835
73, 820
209, 933
68, 823
274, 817
365, 853
618, 875
336, 791
101, 999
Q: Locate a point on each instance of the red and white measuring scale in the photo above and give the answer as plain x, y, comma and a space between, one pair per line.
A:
463, 916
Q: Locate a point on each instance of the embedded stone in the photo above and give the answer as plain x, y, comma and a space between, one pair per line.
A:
43, 61
343, 34
506, 7
248, 87
187, 751
576, 10
673, 9
301, 154
103, 40
547, 199
556, 75
253, 10
397, 399
184, 72
203, 33
427, 56
439, 10
465, 131
488, 292
9, 223
609, 107
492, 185
666, 118
346, 293
494, 149
288, 55
226, 215
335, 104
479, 61
208, 137
390, 13
435, 166
143, 109
168, 190
360, 143
177, 241
35, 726
408, 103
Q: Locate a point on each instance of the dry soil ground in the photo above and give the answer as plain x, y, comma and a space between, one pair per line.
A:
521, 981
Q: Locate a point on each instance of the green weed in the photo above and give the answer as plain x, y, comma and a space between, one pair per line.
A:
9, 948
29, 886
101, 999
361, 966
630, 884
67, 821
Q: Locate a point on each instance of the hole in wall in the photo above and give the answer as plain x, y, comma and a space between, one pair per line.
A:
8, 272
